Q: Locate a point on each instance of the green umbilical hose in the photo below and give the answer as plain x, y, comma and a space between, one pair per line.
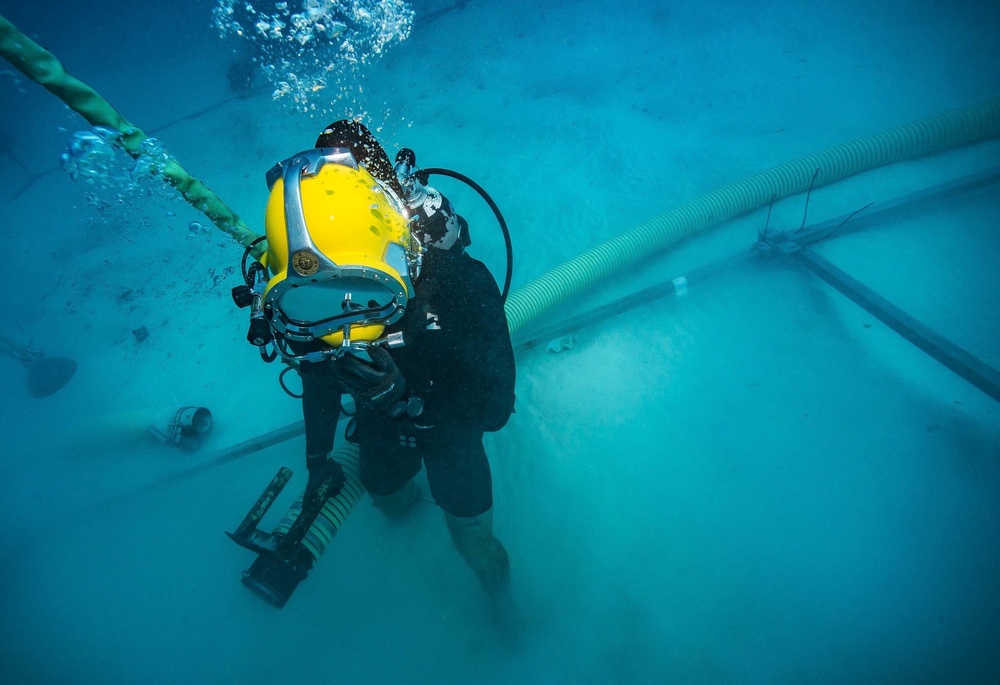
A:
933, 134
41, 66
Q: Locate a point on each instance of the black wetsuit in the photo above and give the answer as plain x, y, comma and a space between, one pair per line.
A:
457, 357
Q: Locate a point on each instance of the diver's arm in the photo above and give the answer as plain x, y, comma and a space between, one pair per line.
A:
479, 380
320, 408
493, 359
321, 412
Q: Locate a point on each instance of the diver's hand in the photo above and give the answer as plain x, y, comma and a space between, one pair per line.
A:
378, 385
323, 469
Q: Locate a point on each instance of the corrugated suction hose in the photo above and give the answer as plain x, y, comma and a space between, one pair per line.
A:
336, 509
950, 129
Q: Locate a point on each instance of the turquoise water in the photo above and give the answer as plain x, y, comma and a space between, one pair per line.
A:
756, 483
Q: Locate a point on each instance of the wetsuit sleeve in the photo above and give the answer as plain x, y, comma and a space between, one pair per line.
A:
480, 377
320, 408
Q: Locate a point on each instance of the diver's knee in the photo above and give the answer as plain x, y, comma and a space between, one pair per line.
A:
397, 503
467, 529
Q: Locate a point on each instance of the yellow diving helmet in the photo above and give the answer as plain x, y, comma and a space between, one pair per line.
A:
339, 251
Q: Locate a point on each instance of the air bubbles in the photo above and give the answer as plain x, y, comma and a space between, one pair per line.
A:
197, 229
114, 181
327, 41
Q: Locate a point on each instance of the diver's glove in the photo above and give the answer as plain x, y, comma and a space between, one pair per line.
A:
377, 385
322, 469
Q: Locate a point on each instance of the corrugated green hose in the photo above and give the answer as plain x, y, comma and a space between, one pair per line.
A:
41, 66
936, 133
336, 509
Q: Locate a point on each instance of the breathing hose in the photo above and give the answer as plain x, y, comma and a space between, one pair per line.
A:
925, 136
44, 68
423, 176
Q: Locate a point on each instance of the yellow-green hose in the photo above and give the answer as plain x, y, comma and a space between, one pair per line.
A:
41, 66
951, 129
336, 509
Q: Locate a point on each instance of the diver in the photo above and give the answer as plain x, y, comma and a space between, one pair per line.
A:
410, 326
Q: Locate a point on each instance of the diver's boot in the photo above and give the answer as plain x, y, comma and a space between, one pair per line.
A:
396, 504
485, 555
